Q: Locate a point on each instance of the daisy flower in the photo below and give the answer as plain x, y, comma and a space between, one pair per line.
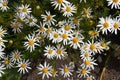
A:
75, 21
67, 26
68, 10
116, 25
89, 63
17, 26
8, 64
78, 33
48, 32
54, 73
31, 43
59, 3
75, 42
49, 52
23, 66
48, 18
84, 47
85, 55
105, 24
25, 10
16, 56
114, 4
4, 5
1, 53
19, 18
87, 12
40, 38
45, 70
65, 36
82, 0
83, 72
2, 32
17, 10
94, 34
55, 36
66, 71
31, 21
93, 46
2, 67
60, 52
104, 45
41, 28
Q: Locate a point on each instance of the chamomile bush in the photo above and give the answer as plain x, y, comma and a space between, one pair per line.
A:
45, 32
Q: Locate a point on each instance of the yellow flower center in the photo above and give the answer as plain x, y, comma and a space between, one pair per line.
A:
64, 36
16, 56
42, 28
92, 33
106, 25
87, 62
103, 44
53, 72
50, 51
6, 62
24, 9
30, 20
68, 9
75, 40
4, 3
45, 70
48, 31
92, 46
75, 21
59, 51
15, 25
91, 22
116, 25
56, 35
23, 65
60, 1
31, 42
86, 11
67, 27
66, 70
48, 18
83, 71
86, 54
115, 1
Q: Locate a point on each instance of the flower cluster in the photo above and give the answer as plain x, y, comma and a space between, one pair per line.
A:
55, 39
64, 6
2, 47
109, 25
13, 60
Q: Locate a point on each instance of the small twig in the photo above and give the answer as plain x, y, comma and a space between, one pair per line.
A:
103, 71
